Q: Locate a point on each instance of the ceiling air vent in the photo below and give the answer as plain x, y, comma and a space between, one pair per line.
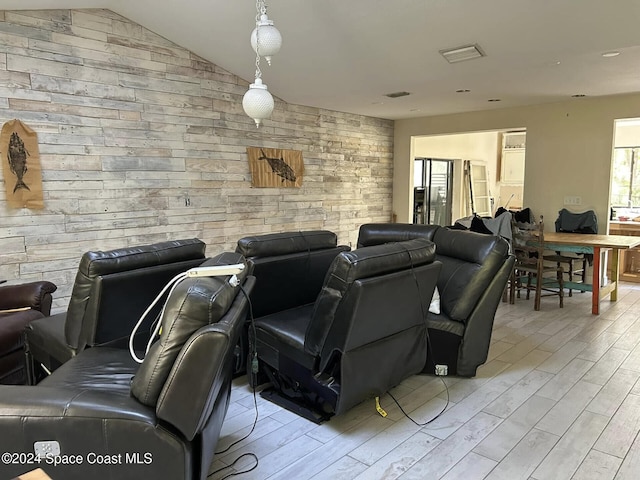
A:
397, 94
462, 54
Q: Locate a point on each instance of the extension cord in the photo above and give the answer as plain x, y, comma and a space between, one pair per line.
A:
218, 270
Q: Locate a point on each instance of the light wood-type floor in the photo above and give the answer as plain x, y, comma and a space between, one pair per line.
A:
559, 398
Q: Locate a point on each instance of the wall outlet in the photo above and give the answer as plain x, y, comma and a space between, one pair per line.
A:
442, 370
572, 200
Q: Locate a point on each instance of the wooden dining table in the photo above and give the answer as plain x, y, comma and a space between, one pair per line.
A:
596, 245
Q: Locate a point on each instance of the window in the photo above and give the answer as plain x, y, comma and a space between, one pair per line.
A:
625, 180
432, 191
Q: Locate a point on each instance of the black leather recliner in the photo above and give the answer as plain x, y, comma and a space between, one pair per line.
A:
475, 271
19, 305
111, 289
289, 268
364, 333
113, 418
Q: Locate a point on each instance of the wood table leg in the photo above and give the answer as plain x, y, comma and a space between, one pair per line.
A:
595, 285
615, 260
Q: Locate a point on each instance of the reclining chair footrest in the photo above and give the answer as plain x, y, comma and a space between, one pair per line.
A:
296, 406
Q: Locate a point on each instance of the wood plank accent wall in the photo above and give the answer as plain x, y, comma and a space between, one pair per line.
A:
142, 141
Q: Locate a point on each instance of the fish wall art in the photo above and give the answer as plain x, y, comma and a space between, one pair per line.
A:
275, 167
21, 165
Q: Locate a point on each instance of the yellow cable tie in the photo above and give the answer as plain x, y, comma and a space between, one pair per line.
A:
379, 408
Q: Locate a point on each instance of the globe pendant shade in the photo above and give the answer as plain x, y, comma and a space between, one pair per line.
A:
258, 102
266, 39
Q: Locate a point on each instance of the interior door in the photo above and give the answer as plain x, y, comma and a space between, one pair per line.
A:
479, 188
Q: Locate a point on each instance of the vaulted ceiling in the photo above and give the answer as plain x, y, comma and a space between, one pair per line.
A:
346, 55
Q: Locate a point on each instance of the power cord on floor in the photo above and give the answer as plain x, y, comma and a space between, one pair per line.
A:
255, 420
428, 421
233, 474
429, 347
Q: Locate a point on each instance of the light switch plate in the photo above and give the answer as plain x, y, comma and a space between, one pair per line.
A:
572, 200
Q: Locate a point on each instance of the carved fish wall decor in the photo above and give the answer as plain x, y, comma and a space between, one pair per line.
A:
279, 167
20, 165
17, 157
275, 167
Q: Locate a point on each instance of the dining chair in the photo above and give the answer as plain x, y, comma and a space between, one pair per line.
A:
576, 263
530, 272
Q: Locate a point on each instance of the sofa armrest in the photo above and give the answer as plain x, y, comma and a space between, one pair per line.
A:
35, 295
479, 326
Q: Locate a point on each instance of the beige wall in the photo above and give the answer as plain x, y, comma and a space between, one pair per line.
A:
569, 148
141, 141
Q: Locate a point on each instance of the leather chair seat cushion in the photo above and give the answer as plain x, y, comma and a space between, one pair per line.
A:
45, 337
283, 333
98, 368
286, 242
12, 326
194, 303
98, 383
377, 233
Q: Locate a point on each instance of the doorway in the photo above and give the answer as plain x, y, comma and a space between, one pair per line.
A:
487, 147
432, 191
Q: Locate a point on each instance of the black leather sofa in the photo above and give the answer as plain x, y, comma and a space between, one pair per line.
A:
111, 291
363, 333
104, 416
289, 268
475, 271
19, 305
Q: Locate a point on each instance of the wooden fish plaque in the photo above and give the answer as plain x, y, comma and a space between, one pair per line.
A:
274, 167
21, 165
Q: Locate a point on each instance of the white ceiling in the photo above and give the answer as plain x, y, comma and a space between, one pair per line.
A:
346, 55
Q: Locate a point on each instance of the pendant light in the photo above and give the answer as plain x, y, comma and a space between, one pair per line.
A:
265, 41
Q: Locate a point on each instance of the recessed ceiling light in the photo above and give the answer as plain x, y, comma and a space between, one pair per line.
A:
463, 90
494, 100
414, 110
610, 54
460, 54
578, 95
397, 94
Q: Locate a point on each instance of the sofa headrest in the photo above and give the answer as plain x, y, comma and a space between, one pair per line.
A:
193, 303
273, 244
380, 259
377, 233
468, 246
130, 258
